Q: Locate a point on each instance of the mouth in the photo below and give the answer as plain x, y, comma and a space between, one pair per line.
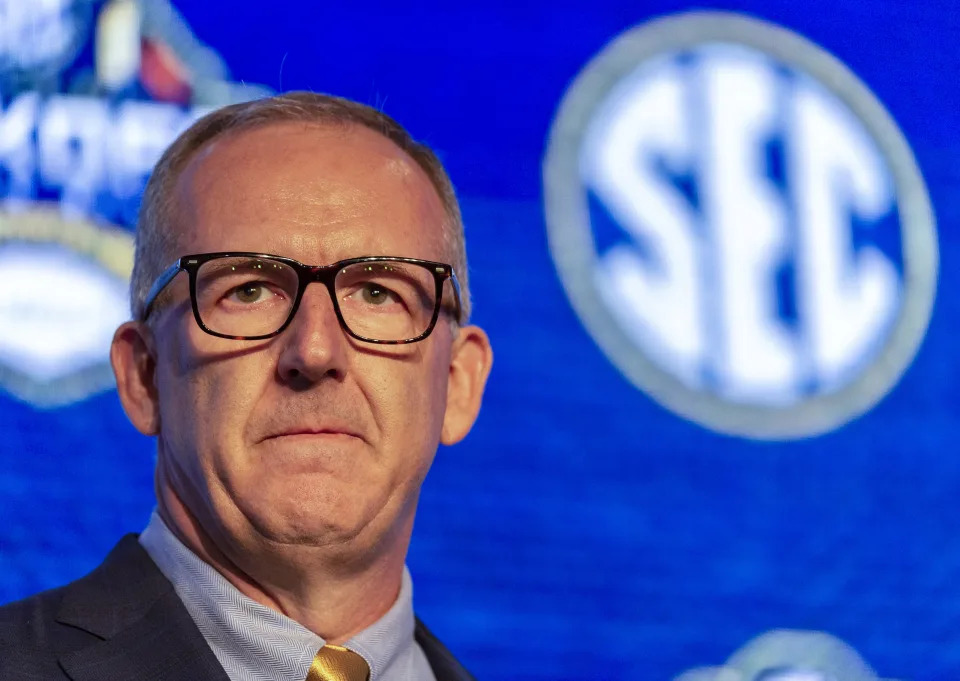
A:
314, 434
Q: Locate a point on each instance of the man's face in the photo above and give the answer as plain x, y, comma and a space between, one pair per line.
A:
309, 437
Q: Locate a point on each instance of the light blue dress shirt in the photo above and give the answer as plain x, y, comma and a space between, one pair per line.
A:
256, 643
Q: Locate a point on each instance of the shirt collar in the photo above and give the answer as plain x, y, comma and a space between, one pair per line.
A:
253, 641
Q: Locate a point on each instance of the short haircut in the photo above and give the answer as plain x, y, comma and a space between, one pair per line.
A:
157, 241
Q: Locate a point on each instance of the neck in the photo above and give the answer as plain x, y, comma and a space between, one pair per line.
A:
333, 597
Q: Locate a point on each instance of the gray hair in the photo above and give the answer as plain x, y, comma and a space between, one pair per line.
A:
157, 244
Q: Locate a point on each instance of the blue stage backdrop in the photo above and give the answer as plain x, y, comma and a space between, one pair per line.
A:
714, 248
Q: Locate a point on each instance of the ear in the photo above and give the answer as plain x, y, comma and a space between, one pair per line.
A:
134, 361
470, 362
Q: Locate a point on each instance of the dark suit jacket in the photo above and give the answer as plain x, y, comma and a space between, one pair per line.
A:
124, 622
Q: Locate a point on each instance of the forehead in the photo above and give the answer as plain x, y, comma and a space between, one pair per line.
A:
313, 192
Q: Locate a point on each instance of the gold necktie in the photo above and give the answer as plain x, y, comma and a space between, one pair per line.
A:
336, 663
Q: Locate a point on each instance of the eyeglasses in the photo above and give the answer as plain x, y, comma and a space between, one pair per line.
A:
252, 296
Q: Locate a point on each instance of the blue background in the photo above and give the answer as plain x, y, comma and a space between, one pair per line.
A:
583, 531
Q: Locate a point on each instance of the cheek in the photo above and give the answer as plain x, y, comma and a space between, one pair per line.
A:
205, 402
410, 398
437, 389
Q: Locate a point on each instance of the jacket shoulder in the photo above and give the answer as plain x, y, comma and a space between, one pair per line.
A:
30, 638
34, 633
25, 622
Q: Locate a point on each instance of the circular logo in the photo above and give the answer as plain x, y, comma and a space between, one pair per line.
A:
789, 655
740, 225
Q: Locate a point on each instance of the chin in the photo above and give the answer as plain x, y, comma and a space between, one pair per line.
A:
308, 516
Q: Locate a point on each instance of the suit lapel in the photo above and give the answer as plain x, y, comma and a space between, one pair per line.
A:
139, 627
444, 665
163, 645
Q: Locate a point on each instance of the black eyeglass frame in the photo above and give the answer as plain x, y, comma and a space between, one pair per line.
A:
307, 274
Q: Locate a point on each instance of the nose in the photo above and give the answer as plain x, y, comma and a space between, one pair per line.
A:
314, 345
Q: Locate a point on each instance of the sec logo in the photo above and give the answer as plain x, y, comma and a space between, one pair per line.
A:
740, 225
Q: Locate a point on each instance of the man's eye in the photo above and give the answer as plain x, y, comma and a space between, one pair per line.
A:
374, 294
251, 292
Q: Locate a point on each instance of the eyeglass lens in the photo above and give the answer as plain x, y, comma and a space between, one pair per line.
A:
380, 300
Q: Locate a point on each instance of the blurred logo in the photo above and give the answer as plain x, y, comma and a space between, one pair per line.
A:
41, 34
91, 93
789, 655
740, 225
